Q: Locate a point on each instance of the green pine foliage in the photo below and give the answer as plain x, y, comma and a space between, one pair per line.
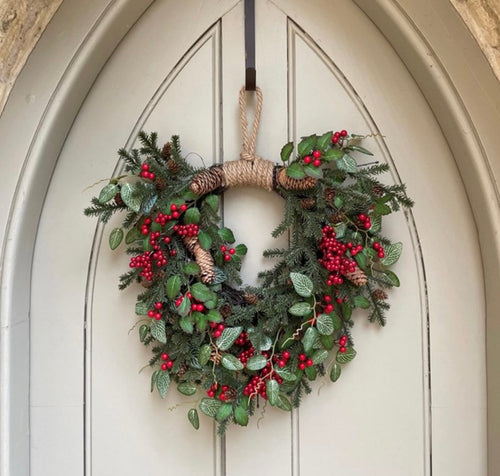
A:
235, 345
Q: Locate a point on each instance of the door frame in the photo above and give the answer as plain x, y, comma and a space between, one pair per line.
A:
52, 87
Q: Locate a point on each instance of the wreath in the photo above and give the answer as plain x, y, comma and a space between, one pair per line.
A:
238, 344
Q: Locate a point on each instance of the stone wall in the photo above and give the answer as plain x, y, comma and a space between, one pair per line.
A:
23, 21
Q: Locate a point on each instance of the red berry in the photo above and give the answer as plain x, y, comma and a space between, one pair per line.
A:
317, 154
158, 305
211, 393
302, 357
362, 217
183, 207
307, 159
151, 313
164, 356
232, 251
173, 207
223, 248
343, 133
309, 362
227, 257
281, 363
286, 354
317, 162
175, 215
145, 167
222, 397
169, 364
342, 349
217, 333
302, 365
164, 366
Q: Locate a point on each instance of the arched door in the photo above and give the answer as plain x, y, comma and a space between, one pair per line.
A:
405, 405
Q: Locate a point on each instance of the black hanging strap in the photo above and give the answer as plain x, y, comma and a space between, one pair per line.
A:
250, 73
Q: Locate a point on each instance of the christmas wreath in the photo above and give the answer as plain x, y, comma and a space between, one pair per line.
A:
238, 344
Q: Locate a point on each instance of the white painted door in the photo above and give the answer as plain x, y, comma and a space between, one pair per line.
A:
411, 403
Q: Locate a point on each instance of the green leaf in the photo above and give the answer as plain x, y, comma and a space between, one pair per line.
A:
283, 403
224, 412
295, 171
115, 238
256, 362
327, 341
241, 416
213, 202
131, 197
214, 316
205, 240
230, 362
210, 406
154, 376
173, 286
286, 151
338, 202
335, 372
157, 329
132, 235
201, 292
186, 324
337, 323
392, 278
319, 356
347, 356
300, 309
205, 353
325, 140
347, 163
272, 391
376, 221
192, 216
312, 171
162, 383
193, 418
143, 332
286, 375
185, 307
306, 145
141, 308
309, 338
324, 324
361, 260
346, 311
187, 388
241, 250
226, 235
340, 230
146, 244
382, 209
108, 192
200, 320
361, 301
311, 372
191, 268
358, 148
392, 253
332, 154
227, 338
302, 284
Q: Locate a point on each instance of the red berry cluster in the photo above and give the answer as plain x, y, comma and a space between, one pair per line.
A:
187, 230
281, 360
364, 221
379, 249
315, 159
342, 343
339, 136
328, 306
304, 362
222, 396
248, 350
227, 252
217, 328
145, 173
197, 306
143, 261
156, 311
167, 362
334, 259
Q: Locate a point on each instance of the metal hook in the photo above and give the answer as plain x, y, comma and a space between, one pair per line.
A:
250, 73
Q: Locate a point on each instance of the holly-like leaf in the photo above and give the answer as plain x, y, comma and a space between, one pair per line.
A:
184, 307
283, 403
192, 216
200, 319
335, 372
193, 418
332, 154
143, 332
302, 284
205, 240
187, 388
309, 338
311, 372
324, 324
141, 308
186, 324
319, 356
340, 230
347, 356
392, 254
300, 309
227, 338
201, 292
325, 140
173, 286
361, 301
327, 341
157, 329
286, 375
382, 209
214, 316
286, 151
224, 412
108, 192
226, 235
162, 383
347, 163
241, 416
312, 171
191, 268
154, 376
376, 221
213, 202
131, 197
210, 406
306, 145
132, 235
272, 391
205, 353
230, 362
392, 278
295, 171
115, 238
361, 260
256, 362
241, 250
358, 148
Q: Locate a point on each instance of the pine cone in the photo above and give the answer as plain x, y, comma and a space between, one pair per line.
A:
167, 149
330, 194
378, 190
118, 200
307, 203
160, 184
337, 218
173, 166
251, 298
226, 311
358, 277
231, 393
379, 295
182, 370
